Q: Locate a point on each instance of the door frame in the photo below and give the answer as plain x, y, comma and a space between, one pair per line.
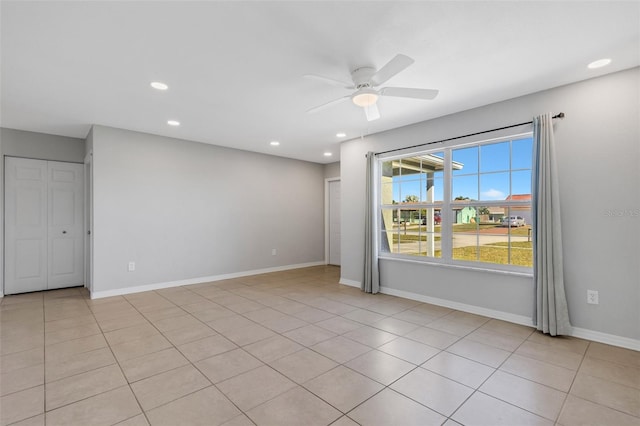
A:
88, 222
326, 217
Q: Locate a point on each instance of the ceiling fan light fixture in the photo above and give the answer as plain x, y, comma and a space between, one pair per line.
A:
365, 97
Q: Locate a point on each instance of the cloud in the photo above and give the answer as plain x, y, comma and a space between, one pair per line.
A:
493, 194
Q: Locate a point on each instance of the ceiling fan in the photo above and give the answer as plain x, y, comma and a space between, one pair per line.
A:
366, 81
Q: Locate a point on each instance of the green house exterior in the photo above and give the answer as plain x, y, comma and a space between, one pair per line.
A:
466, 215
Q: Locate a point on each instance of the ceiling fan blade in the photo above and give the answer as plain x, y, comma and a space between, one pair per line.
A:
328, 104
331, 81
393, 67
405, 92
372, 112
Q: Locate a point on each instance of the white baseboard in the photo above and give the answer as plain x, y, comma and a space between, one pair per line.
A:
350, 283
606, 338
582, 333
199, 280
491, 313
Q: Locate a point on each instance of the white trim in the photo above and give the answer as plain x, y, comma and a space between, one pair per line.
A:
199, 280
491, 313
88, 221
326, 217
582, 333
447, 204
471, 266
609, 339
350, 283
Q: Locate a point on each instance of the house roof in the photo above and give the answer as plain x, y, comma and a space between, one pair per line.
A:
423, 163
519, 197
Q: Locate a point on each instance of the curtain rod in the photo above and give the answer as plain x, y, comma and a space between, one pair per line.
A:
559, 115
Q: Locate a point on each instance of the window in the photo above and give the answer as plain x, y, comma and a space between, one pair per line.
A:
469, 204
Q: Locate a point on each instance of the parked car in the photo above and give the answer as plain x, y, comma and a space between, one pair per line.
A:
516, 221
436, 219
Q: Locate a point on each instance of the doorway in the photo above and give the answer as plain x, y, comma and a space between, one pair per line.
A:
332, 221
43, 244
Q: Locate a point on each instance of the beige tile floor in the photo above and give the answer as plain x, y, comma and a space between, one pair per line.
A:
295, 348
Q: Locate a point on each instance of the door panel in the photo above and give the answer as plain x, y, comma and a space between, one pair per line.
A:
65, 225
61, 262
29, 206
29, 259
62, 207
25, 225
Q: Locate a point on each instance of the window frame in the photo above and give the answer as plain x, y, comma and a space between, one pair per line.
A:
446, 226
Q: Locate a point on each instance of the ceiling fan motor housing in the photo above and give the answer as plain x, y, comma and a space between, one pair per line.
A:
362, 77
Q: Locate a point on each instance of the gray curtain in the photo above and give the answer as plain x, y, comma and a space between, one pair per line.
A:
551, 313
371, 281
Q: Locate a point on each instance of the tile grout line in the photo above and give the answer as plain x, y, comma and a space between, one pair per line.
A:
507, 402
118, 363
192, 365
313, 289
477, 389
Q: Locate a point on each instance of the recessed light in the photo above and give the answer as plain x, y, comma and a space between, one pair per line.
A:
173, 123
341, 135
159, 85
274, 143
599, 63
328, 154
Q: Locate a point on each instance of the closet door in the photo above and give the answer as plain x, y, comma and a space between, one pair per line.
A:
43, 225
26, 225
65, 237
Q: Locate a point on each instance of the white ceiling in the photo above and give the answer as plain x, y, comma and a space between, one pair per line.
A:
235, 69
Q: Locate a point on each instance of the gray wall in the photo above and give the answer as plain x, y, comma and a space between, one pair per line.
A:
332, 170
18, 143
183, 210
42, 146
598, 152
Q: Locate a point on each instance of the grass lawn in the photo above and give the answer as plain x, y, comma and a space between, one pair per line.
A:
411, 238
522, 231
521, 253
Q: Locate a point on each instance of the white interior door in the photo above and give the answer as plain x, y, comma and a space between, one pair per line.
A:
26, 225
334, 222
66, 222
43, 225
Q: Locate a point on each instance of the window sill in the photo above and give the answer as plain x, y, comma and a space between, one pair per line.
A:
457, 266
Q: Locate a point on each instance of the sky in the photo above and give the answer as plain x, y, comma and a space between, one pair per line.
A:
485, 173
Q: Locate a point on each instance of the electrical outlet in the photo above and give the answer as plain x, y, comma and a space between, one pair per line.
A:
592, 297
132, 266
274, 252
